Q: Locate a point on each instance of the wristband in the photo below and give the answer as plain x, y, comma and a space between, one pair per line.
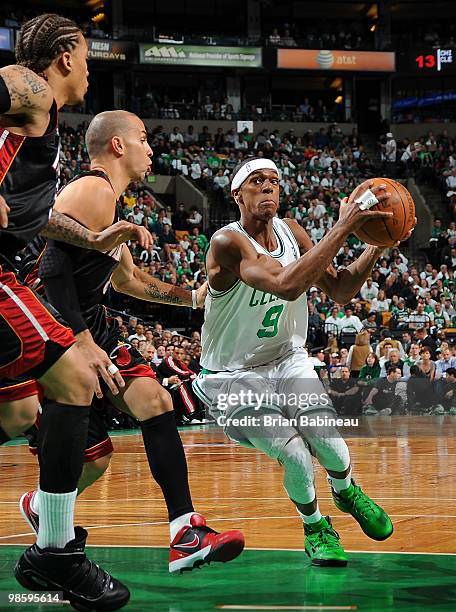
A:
367, 200
194, 300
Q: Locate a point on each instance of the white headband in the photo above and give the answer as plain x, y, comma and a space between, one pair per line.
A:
251, 166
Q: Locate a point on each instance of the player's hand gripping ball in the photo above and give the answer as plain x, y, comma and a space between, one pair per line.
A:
388, 231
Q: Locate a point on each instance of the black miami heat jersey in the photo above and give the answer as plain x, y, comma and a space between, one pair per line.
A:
91, 270
28, 182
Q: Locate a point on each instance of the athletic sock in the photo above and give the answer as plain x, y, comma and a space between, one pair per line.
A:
167, 462
311, 518
340, 484
62, 440
56, 519
177, 524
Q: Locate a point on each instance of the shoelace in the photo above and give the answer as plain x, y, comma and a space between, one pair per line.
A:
367, 505
329, 536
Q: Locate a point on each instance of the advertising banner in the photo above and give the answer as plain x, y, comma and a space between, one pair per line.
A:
110, 50
192, 55
320, 59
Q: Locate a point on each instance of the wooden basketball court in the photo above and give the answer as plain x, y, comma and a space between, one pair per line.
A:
411, 475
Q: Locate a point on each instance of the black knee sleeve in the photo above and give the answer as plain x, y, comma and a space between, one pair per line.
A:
62, 439
167, 462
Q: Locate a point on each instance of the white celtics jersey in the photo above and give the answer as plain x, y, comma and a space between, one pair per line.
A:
244, 327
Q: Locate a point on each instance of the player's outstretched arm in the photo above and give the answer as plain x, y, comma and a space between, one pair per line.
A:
23, 92
234, 253
129, 279
83, 214
341, 286
65, 229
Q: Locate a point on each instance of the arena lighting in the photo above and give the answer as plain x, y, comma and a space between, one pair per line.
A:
98, 17
95, 5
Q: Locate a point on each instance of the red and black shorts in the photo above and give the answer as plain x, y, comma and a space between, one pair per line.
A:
128, 359
131, 365
32, 337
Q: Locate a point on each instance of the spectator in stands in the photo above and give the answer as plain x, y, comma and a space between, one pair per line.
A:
423, 339
274, 37
370, 370
426, 365
440, 317
419, 318
370, 322
139, 333
195, 219
384, 398
449, 391
391, 359
400, 315
390, 154
132, 323
413, 359
443, 364
334, 365
358, 352
369, 291
380, 303
150, 256
332, 323
176, 136
345, 393
350, 322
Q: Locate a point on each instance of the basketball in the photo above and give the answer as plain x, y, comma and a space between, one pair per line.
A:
385, 232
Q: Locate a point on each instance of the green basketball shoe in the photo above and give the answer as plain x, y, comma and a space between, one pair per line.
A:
322, 544
372, 519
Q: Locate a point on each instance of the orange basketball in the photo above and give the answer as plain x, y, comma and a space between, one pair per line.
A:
385, 232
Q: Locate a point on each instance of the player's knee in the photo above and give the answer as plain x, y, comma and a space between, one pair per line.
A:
296, 459
331, 451
80, 386
147, 405
19, 416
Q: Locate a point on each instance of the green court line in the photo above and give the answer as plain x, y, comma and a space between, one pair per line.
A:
269, 578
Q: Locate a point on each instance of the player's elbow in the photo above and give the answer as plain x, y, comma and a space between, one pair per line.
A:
289, 291
119, 286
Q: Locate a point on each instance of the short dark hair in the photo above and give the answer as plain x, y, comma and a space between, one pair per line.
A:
44, 38
392, 369
451, 371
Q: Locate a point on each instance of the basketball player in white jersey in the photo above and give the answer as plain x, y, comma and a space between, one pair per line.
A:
257, 378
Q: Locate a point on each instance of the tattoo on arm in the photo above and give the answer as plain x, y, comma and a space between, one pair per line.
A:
152, 291
27, 90
65, 229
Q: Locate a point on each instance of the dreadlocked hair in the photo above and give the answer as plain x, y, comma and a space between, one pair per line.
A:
44, 38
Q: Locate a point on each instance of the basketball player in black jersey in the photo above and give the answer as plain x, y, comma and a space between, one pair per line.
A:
117, 145
51, 71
